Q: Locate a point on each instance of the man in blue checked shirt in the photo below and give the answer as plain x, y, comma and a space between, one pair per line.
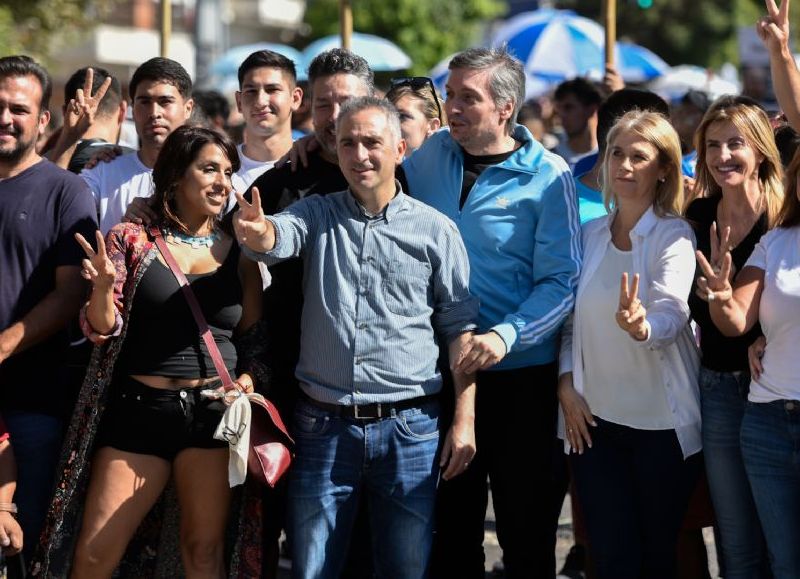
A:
385, 279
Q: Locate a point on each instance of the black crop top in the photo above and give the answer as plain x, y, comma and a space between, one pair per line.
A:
162, 338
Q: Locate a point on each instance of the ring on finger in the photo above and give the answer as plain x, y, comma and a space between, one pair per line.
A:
710, 296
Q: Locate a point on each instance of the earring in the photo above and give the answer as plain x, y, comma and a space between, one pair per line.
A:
662, 180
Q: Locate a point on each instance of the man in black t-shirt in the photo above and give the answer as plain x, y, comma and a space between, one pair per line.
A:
335, 77
78, 143
41, 209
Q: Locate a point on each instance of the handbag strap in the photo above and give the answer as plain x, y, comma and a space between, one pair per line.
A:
199, 318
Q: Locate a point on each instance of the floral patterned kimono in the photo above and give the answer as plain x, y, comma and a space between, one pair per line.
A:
154, 550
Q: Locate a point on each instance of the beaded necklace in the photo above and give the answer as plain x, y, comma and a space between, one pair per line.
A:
194, 240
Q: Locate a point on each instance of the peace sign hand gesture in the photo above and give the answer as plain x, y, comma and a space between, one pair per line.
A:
250, 225
81, 110
632, 315
97, 268
715, 284
774, 28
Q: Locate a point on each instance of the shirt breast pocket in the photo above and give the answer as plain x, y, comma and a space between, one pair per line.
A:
405, 287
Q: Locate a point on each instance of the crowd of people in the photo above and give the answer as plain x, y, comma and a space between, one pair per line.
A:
440, 297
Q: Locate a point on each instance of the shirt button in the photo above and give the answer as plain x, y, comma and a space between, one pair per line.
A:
358, 361
362, 325
183, 394
790, 406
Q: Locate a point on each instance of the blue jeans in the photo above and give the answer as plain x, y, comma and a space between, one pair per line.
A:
770, 441
634, 488
36, 440
742, 547
392, 460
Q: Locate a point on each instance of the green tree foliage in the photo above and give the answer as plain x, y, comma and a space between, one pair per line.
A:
428, 30
28, 26
702, 32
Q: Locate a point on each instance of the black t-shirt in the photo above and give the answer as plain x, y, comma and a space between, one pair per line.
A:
719, 352
474, 165
88, 148
283, 300
40, 211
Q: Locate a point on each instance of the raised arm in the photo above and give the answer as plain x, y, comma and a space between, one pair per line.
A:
98, 269
252, 229
773, 30
733, 311
79, 117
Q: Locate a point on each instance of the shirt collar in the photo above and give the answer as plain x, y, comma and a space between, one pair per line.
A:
642, 228
396, 204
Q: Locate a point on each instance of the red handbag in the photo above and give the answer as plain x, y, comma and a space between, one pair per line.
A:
270, 444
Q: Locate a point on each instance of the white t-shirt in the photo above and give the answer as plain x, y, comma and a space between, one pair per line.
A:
249, 171
778, 254
115, 184
622, 381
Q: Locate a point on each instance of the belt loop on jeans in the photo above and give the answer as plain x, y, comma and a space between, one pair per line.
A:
372, 411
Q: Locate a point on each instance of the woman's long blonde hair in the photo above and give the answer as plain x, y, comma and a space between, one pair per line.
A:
752, 122
656, 130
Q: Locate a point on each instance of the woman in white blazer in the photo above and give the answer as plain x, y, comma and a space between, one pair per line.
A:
629, 365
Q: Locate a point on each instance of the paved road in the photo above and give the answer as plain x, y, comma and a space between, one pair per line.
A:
563, 544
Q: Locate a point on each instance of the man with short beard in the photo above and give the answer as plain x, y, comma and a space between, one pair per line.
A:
42, 207
161, 91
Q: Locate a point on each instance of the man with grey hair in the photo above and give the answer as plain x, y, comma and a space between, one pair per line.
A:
385, 281
515, 206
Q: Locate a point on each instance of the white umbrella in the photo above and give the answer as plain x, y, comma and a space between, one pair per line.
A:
381, 54
681, 79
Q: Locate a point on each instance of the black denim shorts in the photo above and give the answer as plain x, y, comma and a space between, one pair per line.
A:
160, 422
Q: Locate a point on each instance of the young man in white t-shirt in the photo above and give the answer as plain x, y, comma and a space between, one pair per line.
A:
161, 91
268, 95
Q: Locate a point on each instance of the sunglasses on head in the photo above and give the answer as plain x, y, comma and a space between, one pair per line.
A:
417, 83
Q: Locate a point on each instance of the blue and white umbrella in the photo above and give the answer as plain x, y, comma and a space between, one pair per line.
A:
557, 45
228, 64
381, 54
638, 64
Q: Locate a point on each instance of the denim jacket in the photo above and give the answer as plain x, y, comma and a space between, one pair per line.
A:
663, 256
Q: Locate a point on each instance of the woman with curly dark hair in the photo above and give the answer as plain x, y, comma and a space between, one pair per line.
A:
151, 366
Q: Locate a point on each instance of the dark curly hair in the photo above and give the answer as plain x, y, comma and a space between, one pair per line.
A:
178, 152
341, 61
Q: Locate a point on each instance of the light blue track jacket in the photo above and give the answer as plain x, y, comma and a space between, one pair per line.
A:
522, 233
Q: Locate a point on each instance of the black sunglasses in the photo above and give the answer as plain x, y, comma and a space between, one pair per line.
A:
417, 83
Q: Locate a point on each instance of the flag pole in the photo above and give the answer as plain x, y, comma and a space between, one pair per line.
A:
346, 23
610, 19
